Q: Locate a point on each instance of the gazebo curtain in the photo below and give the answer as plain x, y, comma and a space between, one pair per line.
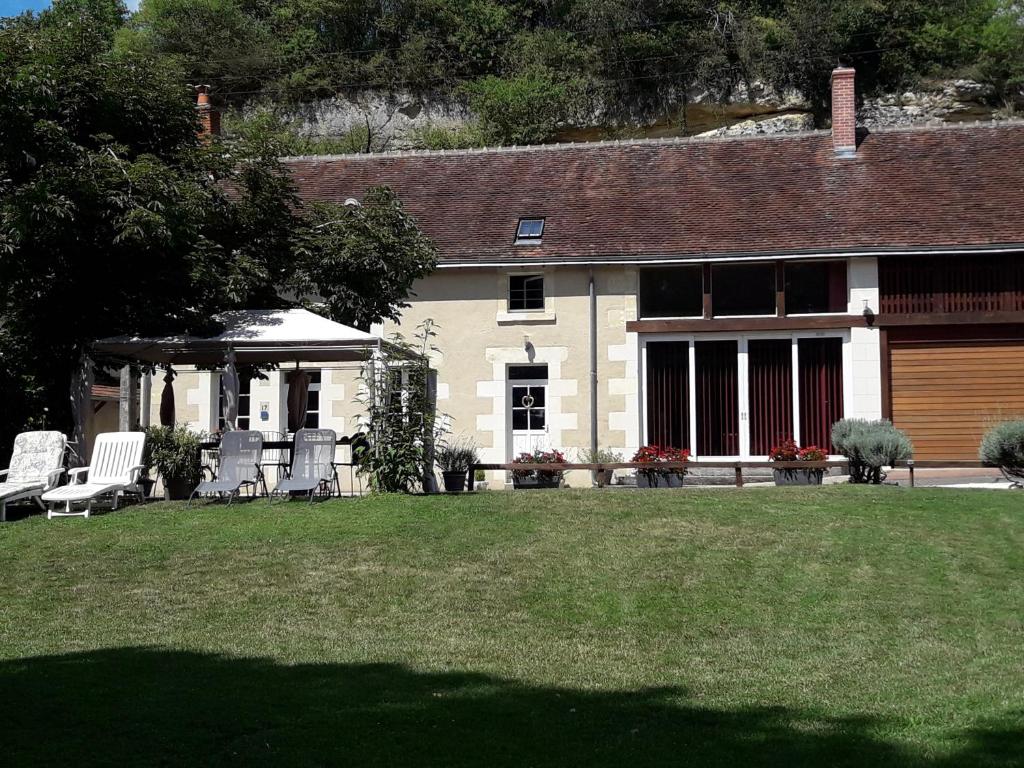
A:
167, 405
298, 400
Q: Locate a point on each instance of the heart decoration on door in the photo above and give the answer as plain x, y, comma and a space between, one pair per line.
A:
527, 401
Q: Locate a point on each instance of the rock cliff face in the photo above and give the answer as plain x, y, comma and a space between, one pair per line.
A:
397, 119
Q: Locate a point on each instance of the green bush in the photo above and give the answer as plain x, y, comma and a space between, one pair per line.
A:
1003, 446
174, 452
526, 109
869, 446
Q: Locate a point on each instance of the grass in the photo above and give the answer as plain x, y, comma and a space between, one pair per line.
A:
834, 626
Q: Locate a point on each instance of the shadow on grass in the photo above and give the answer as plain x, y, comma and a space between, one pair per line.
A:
141, 706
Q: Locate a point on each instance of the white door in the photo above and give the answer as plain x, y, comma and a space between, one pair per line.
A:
528, 424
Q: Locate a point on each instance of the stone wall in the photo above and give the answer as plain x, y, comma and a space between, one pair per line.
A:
395, 119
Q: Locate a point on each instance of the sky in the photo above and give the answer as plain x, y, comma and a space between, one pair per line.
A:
14, 7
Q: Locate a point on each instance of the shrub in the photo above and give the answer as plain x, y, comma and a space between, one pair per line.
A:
174, 452
869, 446
1003, 446
600, 456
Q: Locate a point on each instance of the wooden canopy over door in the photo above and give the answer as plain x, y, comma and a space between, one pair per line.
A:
947, 394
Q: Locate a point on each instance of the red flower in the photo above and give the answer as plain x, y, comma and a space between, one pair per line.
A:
813, 453
787, 450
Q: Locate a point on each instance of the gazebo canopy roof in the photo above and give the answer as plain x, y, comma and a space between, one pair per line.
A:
256, 336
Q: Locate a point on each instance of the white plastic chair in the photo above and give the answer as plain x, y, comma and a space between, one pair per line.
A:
312, 468
240, 454
114, 469
36, 466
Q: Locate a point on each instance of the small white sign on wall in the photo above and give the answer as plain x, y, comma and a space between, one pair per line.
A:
264, 411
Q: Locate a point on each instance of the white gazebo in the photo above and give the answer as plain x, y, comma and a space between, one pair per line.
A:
249, 337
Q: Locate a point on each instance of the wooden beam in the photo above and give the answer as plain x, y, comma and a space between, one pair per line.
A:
950, 318
824, 322
780, 289
886, 373
708, 311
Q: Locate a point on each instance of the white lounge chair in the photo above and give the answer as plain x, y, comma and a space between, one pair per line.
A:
312, 466
240, 454
114, 469
36, 466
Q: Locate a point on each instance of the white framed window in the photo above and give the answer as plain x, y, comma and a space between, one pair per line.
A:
244, 403
525, 293
313, 401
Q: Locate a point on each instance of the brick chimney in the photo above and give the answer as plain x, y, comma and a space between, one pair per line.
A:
844, 112
209, 118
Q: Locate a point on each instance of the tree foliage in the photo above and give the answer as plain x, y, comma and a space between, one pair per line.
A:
116, 219
617, 58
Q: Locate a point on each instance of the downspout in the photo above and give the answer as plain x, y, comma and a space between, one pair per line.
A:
593, 366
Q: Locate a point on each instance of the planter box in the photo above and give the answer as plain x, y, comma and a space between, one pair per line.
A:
537, 481
177, 489
674, 480
799, 476
454, 482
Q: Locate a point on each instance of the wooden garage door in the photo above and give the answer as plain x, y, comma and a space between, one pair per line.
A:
946, 395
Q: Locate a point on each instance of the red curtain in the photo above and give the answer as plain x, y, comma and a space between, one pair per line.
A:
821, 390
668, 382
717, 398
770, 378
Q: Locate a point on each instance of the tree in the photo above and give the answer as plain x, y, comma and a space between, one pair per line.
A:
115, 218
357, 259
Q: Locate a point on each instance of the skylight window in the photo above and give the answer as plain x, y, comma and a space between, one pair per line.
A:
529, 231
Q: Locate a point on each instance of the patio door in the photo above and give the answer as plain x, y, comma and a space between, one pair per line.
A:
744, 395
718, 405
770, 393
527, 398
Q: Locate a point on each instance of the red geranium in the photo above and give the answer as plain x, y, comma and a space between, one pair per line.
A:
787, 450
812, 453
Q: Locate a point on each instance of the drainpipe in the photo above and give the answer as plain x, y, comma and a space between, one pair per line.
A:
593, 364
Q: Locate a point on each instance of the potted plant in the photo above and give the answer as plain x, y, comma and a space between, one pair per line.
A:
528, 478
454, 460
656, 476
788, 450
174, 453
601, 456
480, 480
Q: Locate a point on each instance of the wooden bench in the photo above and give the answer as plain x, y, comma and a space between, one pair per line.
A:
600, 468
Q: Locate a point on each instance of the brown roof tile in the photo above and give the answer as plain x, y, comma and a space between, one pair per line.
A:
909, 189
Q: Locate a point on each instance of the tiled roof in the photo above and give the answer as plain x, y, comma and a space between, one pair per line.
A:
935, 187
105, 392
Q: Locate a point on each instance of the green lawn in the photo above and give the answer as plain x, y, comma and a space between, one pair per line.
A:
834, 626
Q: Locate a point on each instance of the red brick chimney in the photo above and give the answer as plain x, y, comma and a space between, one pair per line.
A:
209, 118
844, 112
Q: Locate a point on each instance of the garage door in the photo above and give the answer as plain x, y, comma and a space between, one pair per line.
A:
946, 395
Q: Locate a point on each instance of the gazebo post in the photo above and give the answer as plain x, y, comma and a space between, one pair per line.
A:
146, 399
128, 414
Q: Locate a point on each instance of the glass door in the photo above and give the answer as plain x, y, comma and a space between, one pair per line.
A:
718, 405
527, 409
742, 396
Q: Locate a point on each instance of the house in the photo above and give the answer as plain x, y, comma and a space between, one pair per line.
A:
718, 295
